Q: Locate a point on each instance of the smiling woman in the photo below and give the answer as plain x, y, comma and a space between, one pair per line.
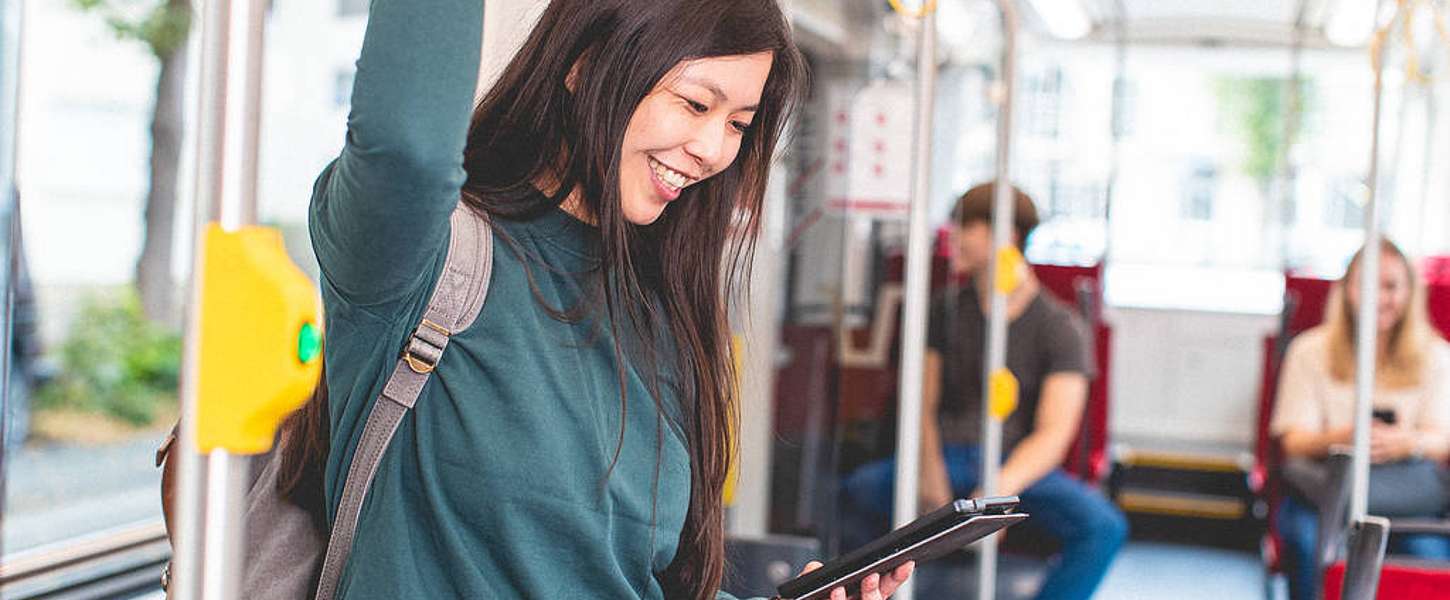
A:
579, 432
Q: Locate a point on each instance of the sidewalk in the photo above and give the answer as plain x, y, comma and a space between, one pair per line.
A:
57, 492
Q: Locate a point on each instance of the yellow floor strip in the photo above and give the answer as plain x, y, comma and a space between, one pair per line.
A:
1179, 505
1181, 462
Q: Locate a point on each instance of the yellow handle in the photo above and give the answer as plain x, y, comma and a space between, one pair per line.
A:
1009, 269
926, 7
261, 340
1002, 401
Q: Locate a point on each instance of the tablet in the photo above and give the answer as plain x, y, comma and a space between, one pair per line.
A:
936, 534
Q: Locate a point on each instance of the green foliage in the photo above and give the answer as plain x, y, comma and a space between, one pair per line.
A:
1256, 109
163, 26
115, 362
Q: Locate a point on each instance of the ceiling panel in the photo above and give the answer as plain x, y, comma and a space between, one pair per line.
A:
1277, 11
1208, 22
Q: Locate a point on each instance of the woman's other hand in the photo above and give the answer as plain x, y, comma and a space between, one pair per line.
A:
1390, 443
875, 586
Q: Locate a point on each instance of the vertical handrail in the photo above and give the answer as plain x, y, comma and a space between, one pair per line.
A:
1115, 123
10, 15
918, 286
1288, 174
996, 359
1366, 342
208, 552
207, 193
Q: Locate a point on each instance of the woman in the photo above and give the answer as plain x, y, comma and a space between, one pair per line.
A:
574, 441
1316, 398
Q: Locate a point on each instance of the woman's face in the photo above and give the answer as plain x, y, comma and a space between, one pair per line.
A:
687, 129
1395, 291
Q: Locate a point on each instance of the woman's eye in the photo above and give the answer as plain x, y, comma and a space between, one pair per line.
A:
697, 107
740, 127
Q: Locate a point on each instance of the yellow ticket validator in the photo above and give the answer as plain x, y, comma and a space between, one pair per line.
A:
261, 339
1003, 394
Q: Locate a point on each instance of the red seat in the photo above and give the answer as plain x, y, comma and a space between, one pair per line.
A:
1304, 301
1410, 581
1089, 458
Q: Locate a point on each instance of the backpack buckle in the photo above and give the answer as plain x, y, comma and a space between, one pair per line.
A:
425, 347
418, 365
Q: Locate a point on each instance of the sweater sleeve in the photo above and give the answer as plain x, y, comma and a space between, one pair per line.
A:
1297, 405
379, 212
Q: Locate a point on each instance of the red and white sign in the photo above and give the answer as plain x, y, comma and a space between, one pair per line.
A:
868, 161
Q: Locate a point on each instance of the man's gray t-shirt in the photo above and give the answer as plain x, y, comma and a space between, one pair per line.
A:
1046, 338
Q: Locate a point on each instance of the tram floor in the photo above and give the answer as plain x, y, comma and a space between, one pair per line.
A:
1145, 570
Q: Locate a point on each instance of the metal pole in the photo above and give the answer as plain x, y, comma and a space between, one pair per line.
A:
918, 286
1426, 171
1366, 344
250, 106
1287, 172
760, 324
1116, 122
7, 353
210, 518
9, 100
211, 135
1002, 216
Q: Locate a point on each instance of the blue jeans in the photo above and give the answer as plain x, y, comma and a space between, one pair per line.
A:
1299, 527
1090, 528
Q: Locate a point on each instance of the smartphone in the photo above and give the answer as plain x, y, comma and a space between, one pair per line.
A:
934, 535
1385, 415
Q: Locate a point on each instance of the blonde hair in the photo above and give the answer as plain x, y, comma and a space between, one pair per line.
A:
1402, 362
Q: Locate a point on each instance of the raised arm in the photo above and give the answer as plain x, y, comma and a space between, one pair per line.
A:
380, 210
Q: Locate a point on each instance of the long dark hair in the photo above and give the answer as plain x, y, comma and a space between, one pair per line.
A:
303, 440
533, 125
672, 278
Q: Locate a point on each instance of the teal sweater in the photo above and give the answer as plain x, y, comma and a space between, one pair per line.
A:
494, 486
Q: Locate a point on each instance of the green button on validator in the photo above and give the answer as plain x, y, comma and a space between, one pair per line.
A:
309, 343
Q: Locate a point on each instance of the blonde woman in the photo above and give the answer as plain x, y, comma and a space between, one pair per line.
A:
1412, 398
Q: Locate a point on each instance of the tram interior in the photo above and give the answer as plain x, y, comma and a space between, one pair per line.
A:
1201, 171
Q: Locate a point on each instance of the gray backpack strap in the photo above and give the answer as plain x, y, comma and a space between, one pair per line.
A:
456, 301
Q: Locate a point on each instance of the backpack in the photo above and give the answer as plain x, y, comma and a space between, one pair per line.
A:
287, 555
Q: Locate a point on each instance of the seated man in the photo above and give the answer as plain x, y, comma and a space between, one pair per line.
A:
1048, 351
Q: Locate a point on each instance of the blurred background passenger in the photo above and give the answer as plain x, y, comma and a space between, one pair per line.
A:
1411, 431
1048, 351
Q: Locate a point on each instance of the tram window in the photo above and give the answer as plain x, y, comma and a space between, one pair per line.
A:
1125, 94
1198, 192
106, 377
103, 384
350, 8
342, 88
1044, 95
1345, 208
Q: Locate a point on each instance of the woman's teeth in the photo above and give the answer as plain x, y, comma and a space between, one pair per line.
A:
671, 177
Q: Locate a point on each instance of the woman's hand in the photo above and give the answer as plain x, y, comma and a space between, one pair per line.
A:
1390, 443
875, 586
